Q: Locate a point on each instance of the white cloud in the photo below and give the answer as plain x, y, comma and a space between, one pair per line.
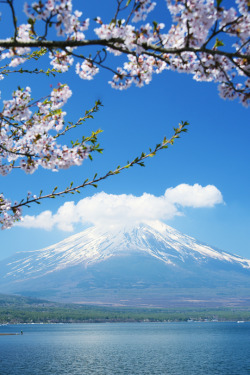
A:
44, 221
109, 209
194, 196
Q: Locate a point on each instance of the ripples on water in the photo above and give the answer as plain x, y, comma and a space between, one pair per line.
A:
126, 349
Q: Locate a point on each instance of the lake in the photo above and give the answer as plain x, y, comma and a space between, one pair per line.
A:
194, 348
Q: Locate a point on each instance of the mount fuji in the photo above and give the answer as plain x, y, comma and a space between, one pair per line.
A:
137, 265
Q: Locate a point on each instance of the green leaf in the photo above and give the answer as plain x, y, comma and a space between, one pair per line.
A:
155, 25
218, 43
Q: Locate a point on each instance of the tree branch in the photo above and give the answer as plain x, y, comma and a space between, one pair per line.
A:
137, 161
10, 3
112, 43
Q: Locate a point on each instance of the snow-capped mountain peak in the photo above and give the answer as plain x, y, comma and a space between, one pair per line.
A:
97, 244
145, 264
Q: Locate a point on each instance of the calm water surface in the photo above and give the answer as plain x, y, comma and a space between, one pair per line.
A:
126, 349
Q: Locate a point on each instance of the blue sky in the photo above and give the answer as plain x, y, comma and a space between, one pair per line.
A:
215, 151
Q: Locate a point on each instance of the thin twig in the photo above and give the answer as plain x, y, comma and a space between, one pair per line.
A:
137, 161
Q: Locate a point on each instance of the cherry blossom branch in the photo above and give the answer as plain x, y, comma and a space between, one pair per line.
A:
185, 48
71, 189
118, 44
221, 30
26, 133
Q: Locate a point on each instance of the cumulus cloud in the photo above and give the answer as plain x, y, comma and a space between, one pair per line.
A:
110, 209
194, 196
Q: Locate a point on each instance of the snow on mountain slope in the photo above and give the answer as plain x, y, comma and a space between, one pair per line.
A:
97, 244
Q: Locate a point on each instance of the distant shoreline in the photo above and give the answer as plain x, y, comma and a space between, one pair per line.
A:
21, 310
113, 321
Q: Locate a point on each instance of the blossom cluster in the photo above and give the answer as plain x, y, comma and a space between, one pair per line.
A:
61, 60
67, 24
183, 48
18, 55
86, 70
29, 133
59, 12
8, 215
142, 9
